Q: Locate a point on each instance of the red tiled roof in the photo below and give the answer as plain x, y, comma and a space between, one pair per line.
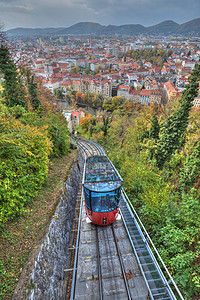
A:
75, 114
124, 87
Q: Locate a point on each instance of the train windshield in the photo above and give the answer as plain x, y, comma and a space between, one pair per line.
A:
102, 202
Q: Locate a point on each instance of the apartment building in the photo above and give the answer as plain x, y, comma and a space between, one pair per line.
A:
170, 91
100, 87
146, 97
196, 102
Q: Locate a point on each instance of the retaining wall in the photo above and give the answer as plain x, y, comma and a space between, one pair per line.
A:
47, 278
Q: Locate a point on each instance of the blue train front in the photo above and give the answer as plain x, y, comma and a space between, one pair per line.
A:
102, 190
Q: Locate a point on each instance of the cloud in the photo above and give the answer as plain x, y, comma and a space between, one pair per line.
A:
46, 13
17, 8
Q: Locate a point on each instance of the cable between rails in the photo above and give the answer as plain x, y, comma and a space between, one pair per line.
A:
122, 265
99, 265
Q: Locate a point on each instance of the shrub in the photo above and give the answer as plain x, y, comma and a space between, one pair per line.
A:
58, 134
24, 152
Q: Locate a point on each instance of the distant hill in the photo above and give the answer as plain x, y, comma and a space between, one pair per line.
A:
165, 28
33, 31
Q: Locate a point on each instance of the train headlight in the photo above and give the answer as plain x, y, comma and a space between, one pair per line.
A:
104, 221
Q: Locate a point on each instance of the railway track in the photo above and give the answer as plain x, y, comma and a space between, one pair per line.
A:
116, 261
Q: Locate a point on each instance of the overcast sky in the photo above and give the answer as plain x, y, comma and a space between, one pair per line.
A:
64, 13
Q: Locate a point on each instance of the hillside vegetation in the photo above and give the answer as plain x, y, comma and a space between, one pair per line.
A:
34, 161
157, 152
31, 132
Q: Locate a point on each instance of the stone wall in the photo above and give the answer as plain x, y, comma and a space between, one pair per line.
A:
48, 274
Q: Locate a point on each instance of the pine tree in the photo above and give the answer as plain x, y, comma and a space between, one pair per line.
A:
14, 92
154, 129
32, 89
173, 129
106, 124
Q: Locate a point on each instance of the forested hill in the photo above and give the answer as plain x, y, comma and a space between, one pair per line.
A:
157, 152
165, 28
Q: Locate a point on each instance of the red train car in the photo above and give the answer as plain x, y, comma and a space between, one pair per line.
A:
102, 190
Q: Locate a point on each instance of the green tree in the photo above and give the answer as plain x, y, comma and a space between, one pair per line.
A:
154, 129
106, 124
58, 93
32, 89
75, 70
173, 129
14, 92
87, 70
190, 174
24, 152
58, 134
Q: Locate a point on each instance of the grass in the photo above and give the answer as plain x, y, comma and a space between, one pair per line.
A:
20, 236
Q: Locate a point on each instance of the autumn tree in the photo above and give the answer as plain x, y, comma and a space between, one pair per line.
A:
79, 97
113, 103
84, 97
86, 121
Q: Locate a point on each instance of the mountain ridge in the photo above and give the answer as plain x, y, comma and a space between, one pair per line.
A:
168, 27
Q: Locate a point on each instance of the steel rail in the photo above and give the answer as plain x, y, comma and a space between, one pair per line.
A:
78, 230
76, 252
122, 265
90, 148
77, 244
88, 145
85, 148
81, 147
97, 146
99, 265
100, 149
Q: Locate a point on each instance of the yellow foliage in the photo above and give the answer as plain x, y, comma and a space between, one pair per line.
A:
85, 121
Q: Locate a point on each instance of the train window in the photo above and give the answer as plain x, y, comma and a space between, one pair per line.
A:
97, 201
87, 198
105, 202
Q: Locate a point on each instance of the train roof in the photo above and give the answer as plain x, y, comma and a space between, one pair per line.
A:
101, 175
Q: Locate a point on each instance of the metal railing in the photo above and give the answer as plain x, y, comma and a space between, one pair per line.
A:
144, 247
77, 241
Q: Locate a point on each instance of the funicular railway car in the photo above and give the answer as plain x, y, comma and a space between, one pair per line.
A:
102, 189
